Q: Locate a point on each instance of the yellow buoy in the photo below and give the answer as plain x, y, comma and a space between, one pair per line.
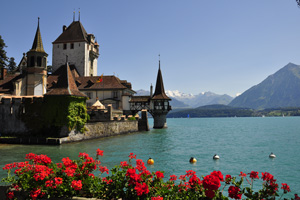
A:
150, 161
193, 160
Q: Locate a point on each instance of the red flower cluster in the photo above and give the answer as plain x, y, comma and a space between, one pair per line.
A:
211, 183
132, 156
36, 193
242, 174
157, 198
141, 189
140, 165
228, 179
285, 187
173, 178
10, 195
70, 166
103, 169
99, 152
41, 159
41, 172
254, 175
123, 164
77, 185
159, 175
233, 192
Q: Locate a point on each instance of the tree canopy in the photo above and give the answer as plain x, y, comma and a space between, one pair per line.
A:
12, 65
3, 57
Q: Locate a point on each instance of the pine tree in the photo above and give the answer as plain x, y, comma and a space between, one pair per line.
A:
3, 57
12, 65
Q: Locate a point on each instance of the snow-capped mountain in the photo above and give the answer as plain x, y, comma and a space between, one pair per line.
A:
181, 99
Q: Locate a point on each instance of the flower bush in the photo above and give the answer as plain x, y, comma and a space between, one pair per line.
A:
39, 178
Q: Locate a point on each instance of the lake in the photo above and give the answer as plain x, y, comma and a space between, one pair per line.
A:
243, 144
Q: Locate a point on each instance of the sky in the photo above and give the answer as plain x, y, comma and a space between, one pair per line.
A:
224, 47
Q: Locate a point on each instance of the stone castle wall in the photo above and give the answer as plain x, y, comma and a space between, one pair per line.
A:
12, 113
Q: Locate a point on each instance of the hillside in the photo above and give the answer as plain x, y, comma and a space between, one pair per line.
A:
211, 111
281, 89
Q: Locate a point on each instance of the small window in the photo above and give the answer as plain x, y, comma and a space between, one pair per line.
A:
39, 61
31, 61
72, 45
65, 46
89, 95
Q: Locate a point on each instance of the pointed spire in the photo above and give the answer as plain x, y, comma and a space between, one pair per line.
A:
74, 15
159, 93
79, 15
37, 42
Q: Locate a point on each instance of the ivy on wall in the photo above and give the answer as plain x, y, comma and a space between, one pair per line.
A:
66, 111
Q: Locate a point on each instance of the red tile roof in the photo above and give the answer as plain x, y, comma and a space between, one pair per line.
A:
74, 33
65, 84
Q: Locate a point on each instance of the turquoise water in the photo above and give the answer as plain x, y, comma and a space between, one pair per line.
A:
243, 144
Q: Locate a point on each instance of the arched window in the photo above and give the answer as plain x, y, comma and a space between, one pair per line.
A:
39, 61
31, 61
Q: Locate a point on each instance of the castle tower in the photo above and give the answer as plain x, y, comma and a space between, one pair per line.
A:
159, 103
35, 79
81, 48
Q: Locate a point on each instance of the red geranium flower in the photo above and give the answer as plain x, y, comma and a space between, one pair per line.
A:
233, 192
211, 182
58, 180
190, 173
132, 156
159, 174
173, 178
99, 152
157, 198
10, 195
228, 179
210, 193
77, 185
141, 189
103, 169
124, 164
285, 187
254, 174
267, 176
242, 174
218, 174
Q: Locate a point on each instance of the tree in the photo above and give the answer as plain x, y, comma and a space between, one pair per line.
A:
3, 57
298, 2
12, 65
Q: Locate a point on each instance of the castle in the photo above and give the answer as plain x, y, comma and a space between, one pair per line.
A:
74, 62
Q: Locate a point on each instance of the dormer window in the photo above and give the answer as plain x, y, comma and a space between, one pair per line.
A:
65, 46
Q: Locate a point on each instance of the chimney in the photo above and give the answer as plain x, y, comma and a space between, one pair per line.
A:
64, 27
151, 90
3, 73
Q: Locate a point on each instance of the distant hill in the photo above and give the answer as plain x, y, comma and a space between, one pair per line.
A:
211, 111
279, 90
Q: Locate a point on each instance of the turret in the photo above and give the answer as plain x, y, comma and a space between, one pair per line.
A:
160, 103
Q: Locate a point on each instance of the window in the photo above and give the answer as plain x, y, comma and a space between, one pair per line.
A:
39, 61
115, 94
72, 45
31, 61
90, 95
65, 46
58, 46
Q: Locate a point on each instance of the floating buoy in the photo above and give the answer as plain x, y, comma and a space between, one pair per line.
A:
150, 161
216, 157
272, 155
193, 160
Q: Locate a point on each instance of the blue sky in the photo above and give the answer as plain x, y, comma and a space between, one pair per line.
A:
224, 47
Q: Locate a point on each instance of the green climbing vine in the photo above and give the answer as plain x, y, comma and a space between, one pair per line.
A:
77, 116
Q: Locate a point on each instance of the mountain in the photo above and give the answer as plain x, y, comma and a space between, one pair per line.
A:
204, 98
174, 103
281, 89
